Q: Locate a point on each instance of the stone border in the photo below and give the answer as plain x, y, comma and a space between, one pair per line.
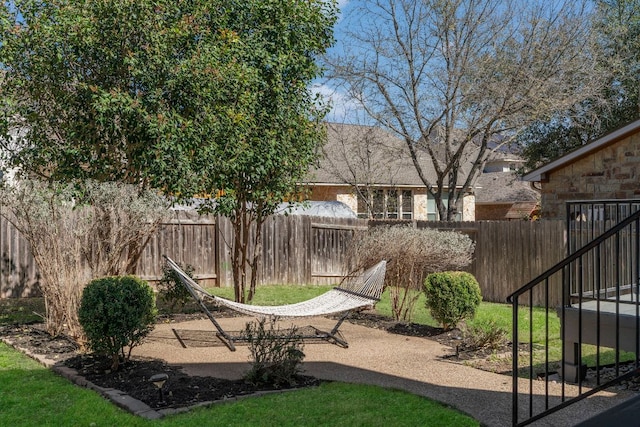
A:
119, 398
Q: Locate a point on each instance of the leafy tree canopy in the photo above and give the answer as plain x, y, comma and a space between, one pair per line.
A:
186, 96
201, 97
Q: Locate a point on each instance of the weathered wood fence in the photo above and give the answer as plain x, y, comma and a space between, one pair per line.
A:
311, 250
296, 249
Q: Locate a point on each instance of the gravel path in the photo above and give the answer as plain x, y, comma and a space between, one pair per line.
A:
417, 365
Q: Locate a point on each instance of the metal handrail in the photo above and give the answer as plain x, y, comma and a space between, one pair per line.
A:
543, 279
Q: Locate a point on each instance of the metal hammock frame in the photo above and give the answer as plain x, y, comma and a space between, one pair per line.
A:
354, 293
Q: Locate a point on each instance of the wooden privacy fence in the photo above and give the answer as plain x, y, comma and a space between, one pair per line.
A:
296, 249
510, 254
311, 250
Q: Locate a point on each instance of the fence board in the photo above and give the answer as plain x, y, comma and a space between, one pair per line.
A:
509, 254
312, 250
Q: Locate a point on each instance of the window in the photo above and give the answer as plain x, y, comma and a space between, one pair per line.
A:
392, 204
432, 209
378, 204
407, 204
387, 204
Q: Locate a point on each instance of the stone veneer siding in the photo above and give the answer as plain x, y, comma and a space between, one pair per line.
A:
613, 172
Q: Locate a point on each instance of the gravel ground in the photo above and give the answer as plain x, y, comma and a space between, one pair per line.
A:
419, 365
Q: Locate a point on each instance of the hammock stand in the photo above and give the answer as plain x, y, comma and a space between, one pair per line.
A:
355, 293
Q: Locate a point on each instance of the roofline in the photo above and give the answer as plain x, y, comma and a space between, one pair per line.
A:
540, 174
342, 184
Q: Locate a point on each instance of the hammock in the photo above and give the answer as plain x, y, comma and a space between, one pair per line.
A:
354, 293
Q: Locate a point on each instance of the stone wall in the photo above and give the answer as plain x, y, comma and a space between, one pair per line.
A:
610, 173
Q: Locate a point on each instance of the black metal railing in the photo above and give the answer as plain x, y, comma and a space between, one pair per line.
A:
599, 316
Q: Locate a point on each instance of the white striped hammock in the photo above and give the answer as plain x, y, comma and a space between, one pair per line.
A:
354, 293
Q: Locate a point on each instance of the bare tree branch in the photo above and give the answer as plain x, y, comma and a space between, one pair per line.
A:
459, 79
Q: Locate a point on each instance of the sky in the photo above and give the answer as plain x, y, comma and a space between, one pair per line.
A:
342, 110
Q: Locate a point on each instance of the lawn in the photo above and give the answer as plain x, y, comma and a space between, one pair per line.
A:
28, 388
32, 395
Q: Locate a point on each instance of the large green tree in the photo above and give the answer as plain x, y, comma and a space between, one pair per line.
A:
616, 29
205, 97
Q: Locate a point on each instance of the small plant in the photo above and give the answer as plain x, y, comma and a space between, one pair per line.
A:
452, 296
484, 334
117, 312
171, 289
276, 355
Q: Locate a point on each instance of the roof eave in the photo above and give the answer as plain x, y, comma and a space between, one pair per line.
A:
541, 174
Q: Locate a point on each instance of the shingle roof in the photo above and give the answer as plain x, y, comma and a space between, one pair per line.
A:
504, 187
367, 155
373, 156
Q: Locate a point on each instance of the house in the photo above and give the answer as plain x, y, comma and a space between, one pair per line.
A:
604, 169
371, 171
501, 194
592, 188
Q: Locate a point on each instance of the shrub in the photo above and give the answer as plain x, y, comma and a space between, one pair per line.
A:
79, 231
452, 296
411, 254
276, 355
484, 334
171, 289
117, 312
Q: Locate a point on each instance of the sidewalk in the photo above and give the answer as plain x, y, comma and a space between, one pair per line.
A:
381, 358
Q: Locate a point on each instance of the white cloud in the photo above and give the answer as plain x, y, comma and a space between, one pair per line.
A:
344, 109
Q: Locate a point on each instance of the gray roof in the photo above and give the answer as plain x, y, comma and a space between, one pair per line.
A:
504, 187
373, 156
367, 155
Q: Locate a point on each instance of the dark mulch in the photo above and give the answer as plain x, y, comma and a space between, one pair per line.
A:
133, 377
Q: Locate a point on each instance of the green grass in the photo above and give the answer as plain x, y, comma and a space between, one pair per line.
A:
28, 388
22, 310
32, 395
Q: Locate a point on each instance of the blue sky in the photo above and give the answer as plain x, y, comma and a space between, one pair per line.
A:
342, 108
345, 110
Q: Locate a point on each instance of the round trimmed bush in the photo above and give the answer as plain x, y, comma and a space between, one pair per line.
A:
117, 312
452, 296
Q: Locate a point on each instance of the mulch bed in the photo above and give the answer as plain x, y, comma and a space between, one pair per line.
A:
133, 377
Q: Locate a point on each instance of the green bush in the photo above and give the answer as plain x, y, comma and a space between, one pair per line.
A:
171, 289
117, 312
452, 296
276, 354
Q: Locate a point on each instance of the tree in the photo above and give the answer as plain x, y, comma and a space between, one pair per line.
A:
459, 79
192, 98
616, 28
281, 130
363, 157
